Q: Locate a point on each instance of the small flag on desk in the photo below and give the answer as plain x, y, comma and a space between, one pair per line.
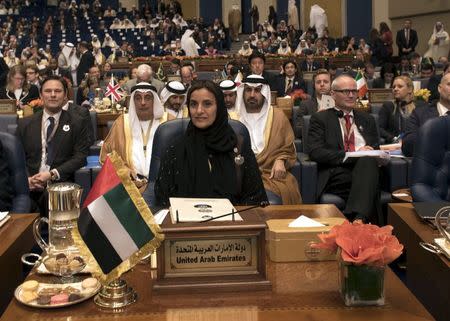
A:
116, 226
361, 84
114, 91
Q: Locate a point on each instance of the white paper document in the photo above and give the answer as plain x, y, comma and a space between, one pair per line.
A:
368, 153
304, 221
160, 216
200, 209
327, 102
4, 217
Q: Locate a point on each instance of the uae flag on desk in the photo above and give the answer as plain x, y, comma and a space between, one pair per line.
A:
115, 224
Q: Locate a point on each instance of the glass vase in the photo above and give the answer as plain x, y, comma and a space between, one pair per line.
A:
361, 284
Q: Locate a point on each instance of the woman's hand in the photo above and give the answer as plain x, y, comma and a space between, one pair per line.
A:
278, 170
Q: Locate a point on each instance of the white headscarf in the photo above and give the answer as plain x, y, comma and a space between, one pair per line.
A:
170, 89
188, 43
141, 162
255, 122
228, 86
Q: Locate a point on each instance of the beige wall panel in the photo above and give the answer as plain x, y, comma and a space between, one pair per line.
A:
226, 7
333, 11
263, 8
190, 8
380, 12
402, 8
129, 3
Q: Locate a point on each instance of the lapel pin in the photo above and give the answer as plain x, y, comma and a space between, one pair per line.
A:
66, 128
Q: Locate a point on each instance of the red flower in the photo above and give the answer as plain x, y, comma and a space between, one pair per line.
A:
298, 94
362, 243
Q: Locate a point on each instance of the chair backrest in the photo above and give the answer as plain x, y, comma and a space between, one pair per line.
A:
93, 115
431, 162
168, 132
7, 119
305, 129
16, 163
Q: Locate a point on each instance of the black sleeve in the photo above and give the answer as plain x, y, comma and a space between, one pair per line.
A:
383, 122
412, 127
165, 183
6, 191
253, 192
80, 149
317, 146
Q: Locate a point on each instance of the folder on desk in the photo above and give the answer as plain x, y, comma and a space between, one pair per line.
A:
428, 210
200, 209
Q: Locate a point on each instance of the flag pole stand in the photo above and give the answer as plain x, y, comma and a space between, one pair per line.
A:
115, 295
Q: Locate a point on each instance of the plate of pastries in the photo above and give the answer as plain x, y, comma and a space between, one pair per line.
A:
46, 295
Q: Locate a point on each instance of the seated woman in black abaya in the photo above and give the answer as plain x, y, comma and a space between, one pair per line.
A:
206, 161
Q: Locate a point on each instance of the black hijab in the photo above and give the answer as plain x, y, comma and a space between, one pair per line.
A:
216, 144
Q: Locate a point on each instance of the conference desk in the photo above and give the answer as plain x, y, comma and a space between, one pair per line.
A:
300, 291
427, 274
16, 238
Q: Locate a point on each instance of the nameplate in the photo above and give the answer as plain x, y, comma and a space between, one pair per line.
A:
380, 95
213, 256
210, 257
308, 75
7, 106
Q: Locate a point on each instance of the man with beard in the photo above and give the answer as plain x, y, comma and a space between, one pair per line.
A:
173, 97
229, 90
272, 139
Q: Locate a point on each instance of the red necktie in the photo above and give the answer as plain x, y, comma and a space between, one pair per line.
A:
349, 139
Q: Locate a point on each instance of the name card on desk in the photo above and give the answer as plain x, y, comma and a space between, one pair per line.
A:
7, 106
219, 257
213, 256
380, 95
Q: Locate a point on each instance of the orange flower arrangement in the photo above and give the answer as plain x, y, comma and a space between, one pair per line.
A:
362, 243
298, 95
36, 103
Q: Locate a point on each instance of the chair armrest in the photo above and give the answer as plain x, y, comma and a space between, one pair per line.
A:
298, 145
396, 174
21, 204
308, 182
83, 178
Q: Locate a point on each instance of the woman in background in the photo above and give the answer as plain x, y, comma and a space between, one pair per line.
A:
393, 115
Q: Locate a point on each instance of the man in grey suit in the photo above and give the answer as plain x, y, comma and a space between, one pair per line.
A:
144, 74
322, 86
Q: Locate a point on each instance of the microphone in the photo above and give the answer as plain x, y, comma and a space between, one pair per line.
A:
262, 205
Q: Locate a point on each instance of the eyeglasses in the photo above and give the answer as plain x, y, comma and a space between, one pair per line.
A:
347, 92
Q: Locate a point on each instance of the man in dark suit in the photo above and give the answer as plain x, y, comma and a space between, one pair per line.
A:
290, 81
309, 64
332, 134
434, 82
322, 86
6, 190
56, 142
84, 114
406, 39
257, 62
87, 60
421, 114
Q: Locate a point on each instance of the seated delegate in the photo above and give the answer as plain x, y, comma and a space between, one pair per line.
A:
207, 160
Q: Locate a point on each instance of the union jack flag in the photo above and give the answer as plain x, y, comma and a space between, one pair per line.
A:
114, 91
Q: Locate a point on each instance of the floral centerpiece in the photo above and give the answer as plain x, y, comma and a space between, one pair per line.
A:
297, 96
364, 250
34, 106
422, 94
